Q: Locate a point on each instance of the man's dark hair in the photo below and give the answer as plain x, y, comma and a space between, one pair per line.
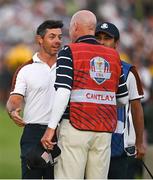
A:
49, 24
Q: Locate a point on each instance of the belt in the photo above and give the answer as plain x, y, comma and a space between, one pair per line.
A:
41, 126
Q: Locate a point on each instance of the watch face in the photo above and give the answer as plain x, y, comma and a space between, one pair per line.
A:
130, 151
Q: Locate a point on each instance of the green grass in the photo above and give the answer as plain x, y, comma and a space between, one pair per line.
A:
9, 147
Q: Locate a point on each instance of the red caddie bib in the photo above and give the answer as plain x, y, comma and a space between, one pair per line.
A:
96, 77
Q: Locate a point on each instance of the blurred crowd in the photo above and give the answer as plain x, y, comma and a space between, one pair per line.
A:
134, 19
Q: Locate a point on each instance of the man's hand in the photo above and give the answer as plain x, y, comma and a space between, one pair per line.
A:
140, 151
47, 137
15, 116
14, 106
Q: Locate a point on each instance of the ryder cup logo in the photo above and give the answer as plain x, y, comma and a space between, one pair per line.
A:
99, 70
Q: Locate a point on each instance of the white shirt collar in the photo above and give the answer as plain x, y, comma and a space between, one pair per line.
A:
36, 59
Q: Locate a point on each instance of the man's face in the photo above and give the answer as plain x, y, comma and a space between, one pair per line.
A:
106, 40
51, 42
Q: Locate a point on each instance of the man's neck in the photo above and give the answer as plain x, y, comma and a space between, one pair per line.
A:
50, 60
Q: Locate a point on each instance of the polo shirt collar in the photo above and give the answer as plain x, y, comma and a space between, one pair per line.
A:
36, 59
87, 39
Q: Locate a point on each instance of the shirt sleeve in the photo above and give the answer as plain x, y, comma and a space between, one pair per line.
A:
122, 88
60, 102
19, 83
64, 69
134, 85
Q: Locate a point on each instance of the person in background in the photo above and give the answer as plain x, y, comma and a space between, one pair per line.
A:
33, 91
127, 140
89, 75
5, 82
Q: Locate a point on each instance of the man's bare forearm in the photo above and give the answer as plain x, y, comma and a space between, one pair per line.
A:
14, 102
138, 120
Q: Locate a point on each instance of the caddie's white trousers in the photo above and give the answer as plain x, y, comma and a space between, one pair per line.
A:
84, 153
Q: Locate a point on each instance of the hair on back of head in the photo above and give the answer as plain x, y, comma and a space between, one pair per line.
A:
48, 24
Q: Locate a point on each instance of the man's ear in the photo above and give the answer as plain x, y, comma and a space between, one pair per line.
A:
75, 26
38, 39
116, 44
